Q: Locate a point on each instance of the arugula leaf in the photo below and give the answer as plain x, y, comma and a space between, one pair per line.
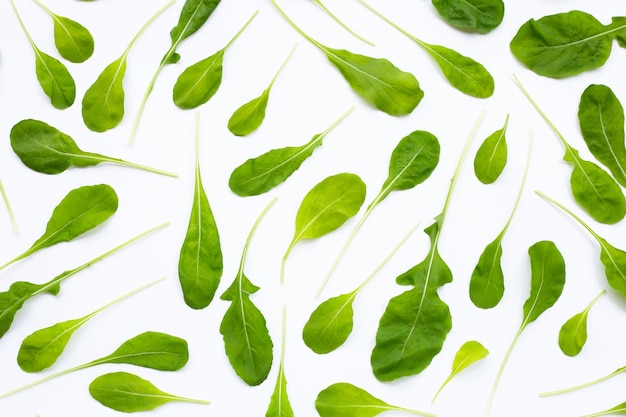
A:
40, 349
467, 354
412, 161
103, 102
200, 81
462, 72
44, 148
154, 350
618, 409
594, 189
72, 40
415, 323
565, 44
546, 285
128, 393
573, 333
81, 210
346, 400
192, 16
279, 403
376, 80
246, 339
260, 174
491, 156
480, 16
248, 117
11, 301
325, 208
601, 118
200, 264
5, 198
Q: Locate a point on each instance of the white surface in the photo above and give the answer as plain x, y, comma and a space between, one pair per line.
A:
307, 97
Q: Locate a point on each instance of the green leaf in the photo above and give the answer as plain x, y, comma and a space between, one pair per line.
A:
279, 403
260, 174
564, 44
72, 40
412, 161
11, 301
40, 349
594, 189
103, 102
346, 400
546, 285
44, 148
200, 81
601, 118
200, 264
128, 393
81, 210
491, 156
618, 409
573, 333
192, 16
55, 80
247, 118
467, 354
376, 80
326, 207
330, 324
481, 16
463, 73
246, 339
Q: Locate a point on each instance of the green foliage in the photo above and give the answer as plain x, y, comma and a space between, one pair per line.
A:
72, 40
80, 210
346, 400
326, 207
279, 403
246, 339
491, 156
200, 263
467, 354
103, 102
601, 118
260, 174
462, 72
200, 81
376, 80
44, 148
565, 44
573, 333
128, 393
480, 16
594, 189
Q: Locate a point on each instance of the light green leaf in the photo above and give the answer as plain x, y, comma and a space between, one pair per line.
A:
467, 354
573, 333
491, 156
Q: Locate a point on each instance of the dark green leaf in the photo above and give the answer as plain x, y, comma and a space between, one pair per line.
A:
573, 333
481, 16
128, 393
491, 156
45, 149
601, 118
192, 16
81, 210
487, 280
564, 44
200, 263
262, 173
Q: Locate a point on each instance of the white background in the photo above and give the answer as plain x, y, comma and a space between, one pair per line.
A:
307, 97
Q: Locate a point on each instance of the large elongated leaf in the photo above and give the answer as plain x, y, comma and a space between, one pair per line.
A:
601, 118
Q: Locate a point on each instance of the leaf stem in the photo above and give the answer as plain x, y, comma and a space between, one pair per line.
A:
394, 25
411, 411
571, 213
123, 297
583, 385
342, 24
292, 23
145, 25
142, 167
521, 187
244, 254
282, 66
44, 379
240, 30
21, 22
9, 209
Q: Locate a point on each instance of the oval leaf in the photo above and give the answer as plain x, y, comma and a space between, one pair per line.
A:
103, 102
55, 80
330, 324
247, 118
153, 350
481, 16
487, 280
73, 40
491, 156
199, 82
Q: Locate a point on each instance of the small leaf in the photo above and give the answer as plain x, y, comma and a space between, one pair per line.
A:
330, 324
81, 210
573, 333
491, 156
279, 403
467, 354
487, 280
481, 16
56, 81
128, 393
